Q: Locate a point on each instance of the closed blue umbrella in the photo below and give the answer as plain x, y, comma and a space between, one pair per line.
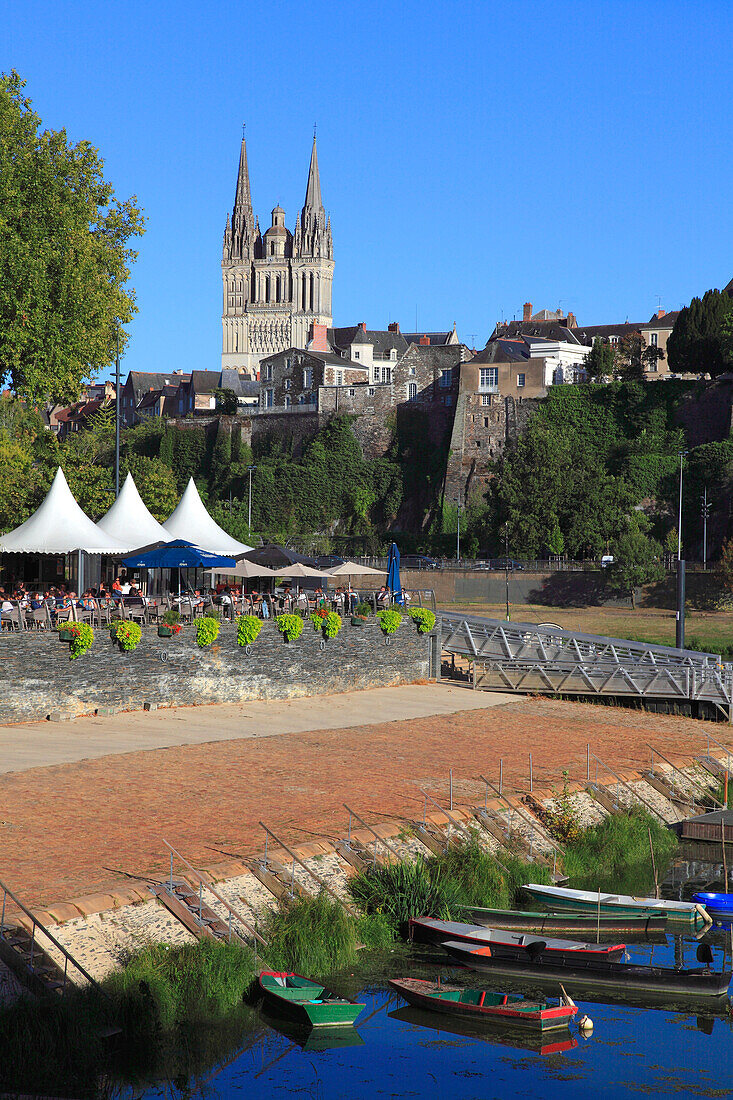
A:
393, 573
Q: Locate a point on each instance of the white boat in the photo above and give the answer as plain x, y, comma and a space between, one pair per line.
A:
561, 899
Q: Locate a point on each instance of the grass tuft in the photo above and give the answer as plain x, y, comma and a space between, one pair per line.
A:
614, 855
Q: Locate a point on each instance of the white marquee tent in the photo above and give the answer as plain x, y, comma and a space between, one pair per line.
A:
130, 522
192, 522
58, 526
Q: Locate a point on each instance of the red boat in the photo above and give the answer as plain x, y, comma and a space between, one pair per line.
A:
506, 944
481, 1004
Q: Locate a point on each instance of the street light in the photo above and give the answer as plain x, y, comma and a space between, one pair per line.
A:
705, 516
506, 569
458, 535
680, 625
250, 469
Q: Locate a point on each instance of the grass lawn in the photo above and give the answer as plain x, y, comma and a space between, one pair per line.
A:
710, 630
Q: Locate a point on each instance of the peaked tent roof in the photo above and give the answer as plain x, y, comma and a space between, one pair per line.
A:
129, 521
58, 526
191, 521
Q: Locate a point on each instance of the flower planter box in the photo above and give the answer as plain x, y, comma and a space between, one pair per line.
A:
66, 634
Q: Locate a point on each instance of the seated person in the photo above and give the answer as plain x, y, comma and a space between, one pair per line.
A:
383, 596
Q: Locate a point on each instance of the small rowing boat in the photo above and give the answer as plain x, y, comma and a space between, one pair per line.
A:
505, 943
562, 899
587, 973
305, 1001
574, 924
481, 1004
554, 1042
719, 907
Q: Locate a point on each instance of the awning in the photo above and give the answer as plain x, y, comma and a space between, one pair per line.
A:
58, 526
192, 522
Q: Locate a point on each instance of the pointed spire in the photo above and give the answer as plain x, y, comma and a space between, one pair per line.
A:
313, 191
242, 197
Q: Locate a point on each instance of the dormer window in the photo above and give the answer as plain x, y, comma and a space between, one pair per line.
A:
356, 355
393, 353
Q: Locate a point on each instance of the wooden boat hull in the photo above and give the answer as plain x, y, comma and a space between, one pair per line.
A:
306, 1002
573, 924
505, 943
587, 974
516, 1013
559, 901
554, 1042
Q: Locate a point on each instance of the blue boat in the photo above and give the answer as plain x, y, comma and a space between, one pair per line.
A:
718, 906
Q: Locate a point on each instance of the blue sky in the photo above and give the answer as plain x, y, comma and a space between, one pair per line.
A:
473, 155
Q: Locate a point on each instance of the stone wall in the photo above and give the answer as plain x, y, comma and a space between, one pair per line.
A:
37, 678
484, 424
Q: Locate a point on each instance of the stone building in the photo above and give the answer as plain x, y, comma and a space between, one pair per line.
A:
291, 378
276, 284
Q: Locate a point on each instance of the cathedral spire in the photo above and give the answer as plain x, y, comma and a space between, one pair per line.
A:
239, 243
313, 191
242, 198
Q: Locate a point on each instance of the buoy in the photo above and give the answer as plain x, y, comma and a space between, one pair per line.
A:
585, 1024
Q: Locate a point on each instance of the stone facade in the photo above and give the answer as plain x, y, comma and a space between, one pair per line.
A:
275, 284
39, 679
292, 378
483, 425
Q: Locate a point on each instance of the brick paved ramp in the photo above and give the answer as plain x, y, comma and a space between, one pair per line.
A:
76, 828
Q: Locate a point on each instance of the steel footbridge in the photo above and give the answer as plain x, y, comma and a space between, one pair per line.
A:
544, 659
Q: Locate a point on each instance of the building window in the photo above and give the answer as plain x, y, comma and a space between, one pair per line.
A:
485, 398
448, 399
307, 377
286, 384
478, 442
486, 421
653, 336
356, 355
371, 391
286, 402
393, 354
338, 377
269, 398
288, 363
520, 380
614, 339
268, 373
651, 367
412, 391
489, 378
352, 393
386, 374
446, 378
411, 372
376, 374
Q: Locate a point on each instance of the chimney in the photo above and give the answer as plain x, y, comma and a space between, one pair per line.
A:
318, 340
527, 311
572, 321
425, 341
393, 326
661, 313
362, 326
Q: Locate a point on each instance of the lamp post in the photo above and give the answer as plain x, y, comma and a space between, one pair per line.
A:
117, 414
458, 534
250, 470
705, 514
680, 625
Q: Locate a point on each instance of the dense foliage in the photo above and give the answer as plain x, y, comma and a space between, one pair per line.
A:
64, 255
127, 633
82, 637
700, 340
248, 629
389, 619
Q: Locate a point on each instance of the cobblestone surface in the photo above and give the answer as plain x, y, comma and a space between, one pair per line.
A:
83, 828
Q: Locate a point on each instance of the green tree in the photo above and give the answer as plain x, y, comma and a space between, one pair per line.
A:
726, 565
699, 342
155, 482
600, 362
226, 401
221, 461
555, 540
64, 255
636, 562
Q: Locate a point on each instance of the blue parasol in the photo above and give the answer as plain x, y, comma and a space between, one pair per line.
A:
178, 554
393, 573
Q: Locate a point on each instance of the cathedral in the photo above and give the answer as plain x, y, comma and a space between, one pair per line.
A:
276, 284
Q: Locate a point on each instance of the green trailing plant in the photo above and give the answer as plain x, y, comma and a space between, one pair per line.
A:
317, 935
423, 618
172, 617
332, 624
127, 633
317, 618
248, 629
363, 609
290, 626
389, 619
207, 630
82, 637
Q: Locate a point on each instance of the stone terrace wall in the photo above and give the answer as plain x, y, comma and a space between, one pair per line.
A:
38, 679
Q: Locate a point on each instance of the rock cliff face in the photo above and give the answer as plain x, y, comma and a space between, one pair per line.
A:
38, 679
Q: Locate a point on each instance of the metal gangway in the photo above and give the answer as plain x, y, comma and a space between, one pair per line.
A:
544, 659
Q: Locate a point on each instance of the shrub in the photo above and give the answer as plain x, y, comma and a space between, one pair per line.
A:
562, 820
172, 617
207, 630
423, 619
389, 619
82, 637
332, 624
364, 609
290, 625
128, 634
318, 618
317, 936
248, 629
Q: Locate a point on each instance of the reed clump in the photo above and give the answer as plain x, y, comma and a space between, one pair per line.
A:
615, 854
315, 935
441, 886
51, 1047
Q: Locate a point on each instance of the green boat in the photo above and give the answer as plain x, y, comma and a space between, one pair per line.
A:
305, 1001
562, 900
568, 922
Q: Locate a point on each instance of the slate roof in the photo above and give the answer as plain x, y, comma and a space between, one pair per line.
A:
550, 330
205, 381
142, 381
382, 341
433, 337
439, 356
588, 333
667, 321
503, 351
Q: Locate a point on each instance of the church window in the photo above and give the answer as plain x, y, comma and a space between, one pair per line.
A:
489, 378
521, 378
267, 288
412, 391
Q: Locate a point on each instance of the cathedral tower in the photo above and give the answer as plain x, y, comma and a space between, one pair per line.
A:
278, 283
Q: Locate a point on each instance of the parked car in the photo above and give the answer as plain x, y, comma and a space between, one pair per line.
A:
507, 563
606, 560
418, 561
